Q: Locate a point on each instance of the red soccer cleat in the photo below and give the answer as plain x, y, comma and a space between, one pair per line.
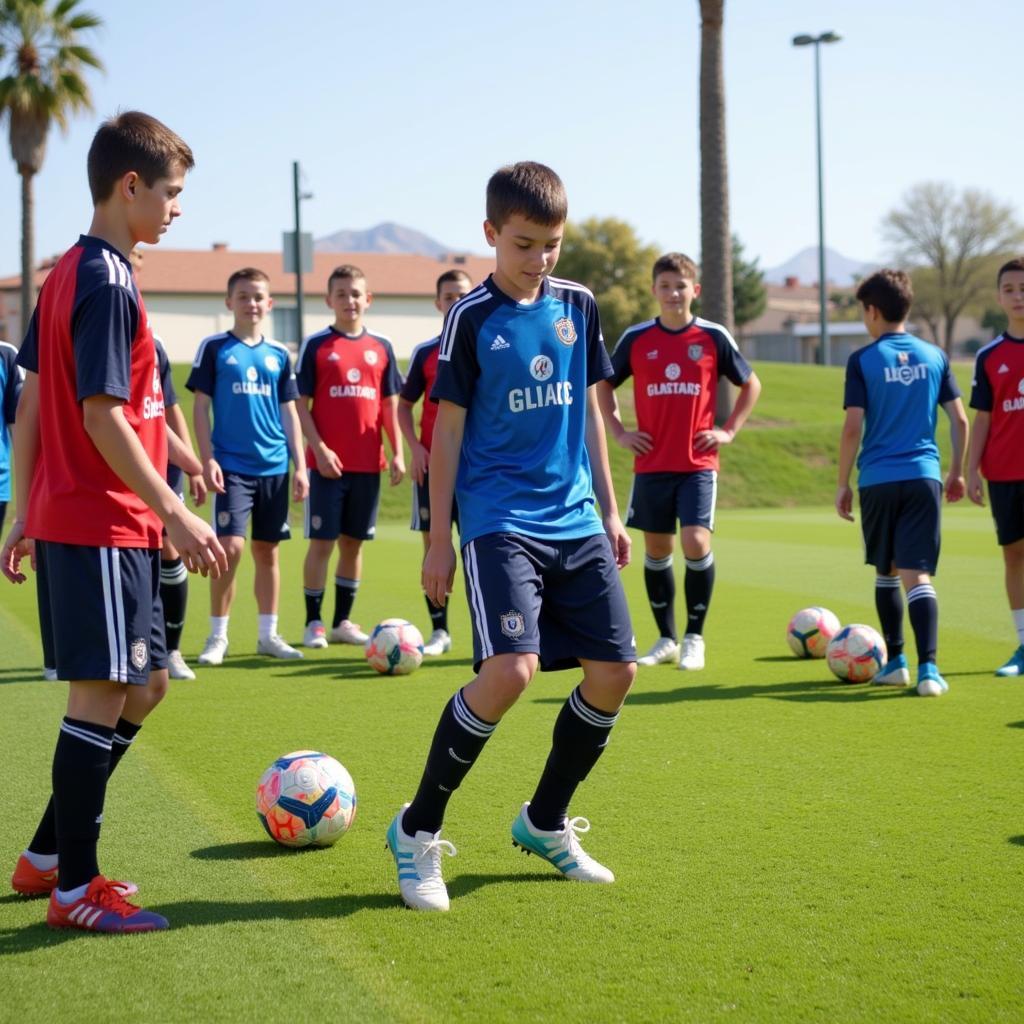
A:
29, 881
102, 909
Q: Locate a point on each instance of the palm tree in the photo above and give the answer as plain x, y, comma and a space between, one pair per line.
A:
42, 63
715, 236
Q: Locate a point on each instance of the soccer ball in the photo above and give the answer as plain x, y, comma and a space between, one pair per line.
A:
810, 630
856, 653
395, 647
306, 799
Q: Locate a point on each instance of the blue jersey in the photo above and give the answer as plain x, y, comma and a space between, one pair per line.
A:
899, 381
246, 385
521, 371
11, 379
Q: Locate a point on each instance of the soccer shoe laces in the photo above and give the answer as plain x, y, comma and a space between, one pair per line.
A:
110, 897
429, 855
570, 843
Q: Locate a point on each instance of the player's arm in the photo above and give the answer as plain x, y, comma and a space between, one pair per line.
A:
849, 442
597, 451
749, 392
293, 435
958, 430
389, 421
201, 412
639, 442
975, 449
327, 462
26, 452
445, 447
420, 455
180, 452
119, 445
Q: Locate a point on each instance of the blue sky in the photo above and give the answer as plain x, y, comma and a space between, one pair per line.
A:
400, 111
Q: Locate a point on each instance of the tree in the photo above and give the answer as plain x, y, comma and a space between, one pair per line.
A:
42, 62
749, 295
606, 255
950, 241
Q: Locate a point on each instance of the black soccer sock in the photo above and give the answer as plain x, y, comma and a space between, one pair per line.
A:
174, 594
889, 604
923, 609
314, 602
81, 764
660, 581
458, 740
580, 735
698, 583
438, 615
344, 598
124, 736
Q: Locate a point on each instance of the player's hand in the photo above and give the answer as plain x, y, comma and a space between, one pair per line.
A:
197, 544
620, 540
300, 484
639, 442
214, 476
327, 462
712, 440
844, 502
420, 462
396, 469
16, 547
438, 574
955, 487
197, 489
975, 489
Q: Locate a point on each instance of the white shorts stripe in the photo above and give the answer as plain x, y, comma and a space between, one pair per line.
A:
476, 601
122, 623
108, 609
714, 496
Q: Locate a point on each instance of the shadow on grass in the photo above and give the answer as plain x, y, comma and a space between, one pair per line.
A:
340, 668
253, 850
21, 675
1015, 725
1016, 840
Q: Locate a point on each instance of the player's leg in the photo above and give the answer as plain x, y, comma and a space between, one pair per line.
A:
269, 527
358, 524
174, 596
889, 605
322, 525
696, 497
439, 641
650, 509
1006, 499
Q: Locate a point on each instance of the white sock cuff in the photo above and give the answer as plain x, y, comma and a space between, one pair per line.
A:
219, 625
701, 564
921, 592
657, 564
887, 582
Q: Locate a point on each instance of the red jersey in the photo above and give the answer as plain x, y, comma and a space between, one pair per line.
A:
348, 378
419, 381
89, 336
675, 377
998, 389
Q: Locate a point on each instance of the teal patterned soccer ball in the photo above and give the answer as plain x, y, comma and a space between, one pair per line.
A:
395, 647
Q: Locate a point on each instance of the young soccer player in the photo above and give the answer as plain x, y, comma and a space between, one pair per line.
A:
90, 455
11, 379
675, 361
245, 381
451, 286
894, 386
349, 383
997, 443
519, 438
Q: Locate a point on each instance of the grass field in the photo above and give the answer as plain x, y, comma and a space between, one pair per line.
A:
787, 848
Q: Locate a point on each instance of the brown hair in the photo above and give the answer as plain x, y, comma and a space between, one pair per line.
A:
247, 274
1017, 263
890, 292
530, 189
675, 262
453, 276
347, 271
133, 141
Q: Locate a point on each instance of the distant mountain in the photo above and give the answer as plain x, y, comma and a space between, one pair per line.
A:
387, 237
839, 269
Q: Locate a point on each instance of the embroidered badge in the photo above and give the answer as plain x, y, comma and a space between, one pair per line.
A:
512, 624
566, 330
223, 518
139, 653
371, 357
695, 352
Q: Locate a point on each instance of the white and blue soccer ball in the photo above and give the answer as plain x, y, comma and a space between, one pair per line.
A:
810, 630
395, 647
856, 653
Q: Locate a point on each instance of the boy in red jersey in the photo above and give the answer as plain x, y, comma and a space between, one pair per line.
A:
996, 450
91, 456
451, 286
348, 387
675, 361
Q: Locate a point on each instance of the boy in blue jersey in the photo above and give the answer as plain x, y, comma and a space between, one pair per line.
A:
11, 378
246, 381
520, 440
893, 388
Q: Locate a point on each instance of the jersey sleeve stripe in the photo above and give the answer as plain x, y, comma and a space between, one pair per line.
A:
709, 325
454, 315
560, 282
202, 348
312, 338
636, 329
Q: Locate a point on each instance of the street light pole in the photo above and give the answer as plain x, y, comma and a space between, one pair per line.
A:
825, 351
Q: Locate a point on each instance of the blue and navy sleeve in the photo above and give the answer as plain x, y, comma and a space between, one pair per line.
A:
599, 366
203, 376
166, 377
457, 363
948, 387
305, 373
28, 354
14, 377
855, 394
981, 386
622, 367
731, 363
392, 381
103, 328
287, 389
415, 381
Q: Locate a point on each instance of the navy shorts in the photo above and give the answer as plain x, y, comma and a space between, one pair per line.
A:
659, 500
3, 516
562, 600
344, 505
100, 611
900, 522
263, 497
1007, 500
421, 506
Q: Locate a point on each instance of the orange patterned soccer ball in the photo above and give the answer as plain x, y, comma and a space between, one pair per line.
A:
395, 647
856, 653
810, 631
306, 799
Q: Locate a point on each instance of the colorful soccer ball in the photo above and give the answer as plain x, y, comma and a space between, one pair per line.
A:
395, 647
810, 630
856, 653
306, 799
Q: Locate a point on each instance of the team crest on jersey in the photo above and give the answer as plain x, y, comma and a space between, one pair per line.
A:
223, 518
354, 376
672, 371
566, 330
272, 364
512, 624
541, 368
903, 358
252, 374
695, 352
1020, 386
371, 357
139, 653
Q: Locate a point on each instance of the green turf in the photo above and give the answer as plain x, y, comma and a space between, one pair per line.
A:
787, 848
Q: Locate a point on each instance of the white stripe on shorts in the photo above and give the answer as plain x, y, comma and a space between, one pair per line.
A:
476, 601
110, 613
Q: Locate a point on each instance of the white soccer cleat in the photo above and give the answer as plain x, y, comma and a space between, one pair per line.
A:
560, 848
315, 635
50, 674
692, 657
418, 859
214, 650
176, 667
275, 646
439, 643
346, 632
664, 651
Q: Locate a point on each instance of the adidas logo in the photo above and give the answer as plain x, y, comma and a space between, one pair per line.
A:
333, 357
231, 361
499, 343
1004, 368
